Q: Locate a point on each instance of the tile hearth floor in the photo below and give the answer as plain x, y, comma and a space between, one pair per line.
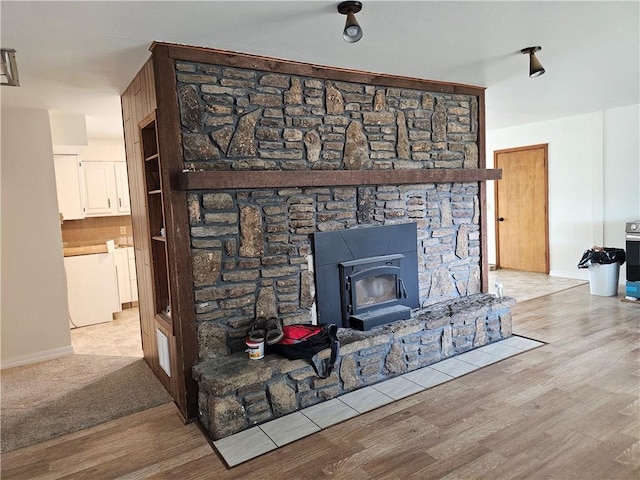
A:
251, 443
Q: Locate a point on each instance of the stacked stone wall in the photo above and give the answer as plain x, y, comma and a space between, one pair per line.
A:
240, 119
250, 248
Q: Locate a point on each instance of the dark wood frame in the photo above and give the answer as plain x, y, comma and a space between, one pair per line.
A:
217, 180
275, 65
177, 233
482, 194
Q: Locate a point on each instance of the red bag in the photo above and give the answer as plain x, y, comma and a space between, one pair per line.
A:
303, 341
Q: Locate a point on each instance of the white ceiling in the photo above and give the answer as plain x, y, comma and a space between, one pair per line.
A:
79, 56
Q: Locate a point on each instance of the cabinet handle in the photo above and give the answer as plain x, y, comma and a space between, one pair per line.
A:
109, 202
119, 202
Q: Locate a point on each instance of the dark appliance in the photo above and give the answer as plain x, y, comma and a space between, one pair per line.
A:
372, 289
632, 237
366, 277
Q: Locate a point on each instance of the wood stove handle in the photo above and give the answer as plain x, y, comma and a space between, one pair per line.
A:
403, 290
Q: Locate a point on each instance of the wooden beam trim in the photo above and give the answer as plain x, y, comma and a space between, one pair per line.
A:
482, 193
178, 237
276, 65
224, 180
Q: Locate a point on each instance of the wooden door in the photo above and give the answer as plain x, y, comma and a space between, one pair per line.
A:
522, 228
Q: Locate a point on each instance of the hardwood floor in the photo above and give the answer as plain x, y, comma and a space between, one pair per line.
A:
569, 409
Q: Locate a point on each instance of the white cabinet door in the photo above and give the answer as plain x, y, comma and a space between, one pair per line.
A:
126, 273
122, 188
106, 188
92, 288
122, 272
99, 188
132, 274
69, 186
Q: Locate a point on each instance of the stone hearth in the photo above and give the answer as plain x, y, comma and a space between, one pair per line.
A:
237, 393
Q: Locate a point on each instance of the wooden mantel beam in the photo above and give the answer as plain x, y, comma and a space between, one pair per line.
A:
225, 180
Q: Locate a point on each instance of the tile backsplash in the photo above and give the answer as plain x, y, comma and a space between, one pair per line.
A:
97, 230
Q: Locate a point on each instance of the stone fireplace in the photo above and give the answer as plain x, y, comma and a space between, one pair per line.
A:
279, 155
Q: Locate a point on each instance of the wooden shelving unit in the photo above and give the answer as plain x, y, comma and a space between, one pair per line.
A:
156, 217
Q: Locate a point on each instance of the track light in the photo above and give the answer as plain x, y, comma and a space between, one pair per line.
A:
535, 68
8, 68
352, 31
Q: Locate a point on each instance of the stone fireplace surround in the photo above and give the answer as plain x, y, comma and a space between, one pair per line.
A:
270, 158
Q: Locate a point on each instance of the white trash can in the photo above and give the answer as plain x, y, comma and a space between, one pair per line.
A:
603, 279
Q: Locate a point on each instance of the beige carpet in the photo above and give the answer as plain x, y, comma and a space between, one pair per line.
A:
60, 396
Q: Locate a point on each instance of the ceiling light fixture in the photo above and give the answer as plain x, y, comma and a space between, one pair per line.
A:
352, 31
535, 68
8, 68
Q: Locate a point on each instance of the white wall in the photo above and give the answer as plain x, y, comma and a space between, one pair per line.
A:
96, 150
34, 314
621, 184
594, 173
104, 150
68, 132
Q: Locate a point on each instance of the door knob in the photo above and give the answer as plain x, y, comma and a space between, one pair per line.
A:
501, 219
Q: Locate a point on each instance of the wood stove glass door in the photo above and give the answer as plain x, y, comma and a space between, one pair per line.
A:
372, 288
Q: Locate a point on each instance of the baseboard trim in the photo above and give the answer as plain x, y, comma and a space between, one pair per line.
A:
36, 357
579, 275
582, 274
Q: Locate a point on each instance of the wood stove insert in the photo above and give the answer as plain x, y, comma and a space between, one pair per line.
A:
366, 277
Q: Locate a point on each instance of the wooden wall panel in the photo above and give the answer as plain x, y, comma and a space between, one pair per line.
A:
138, 101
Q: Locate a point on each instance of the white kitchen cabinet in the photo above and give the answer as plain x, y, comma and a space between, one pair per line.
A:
99, 189
127, 282
69, 186
133, 278
122, 273
122, 188
92, 288
106, 189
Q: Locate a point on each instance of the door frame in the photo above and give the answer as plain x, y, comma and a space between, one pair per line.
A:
545, 147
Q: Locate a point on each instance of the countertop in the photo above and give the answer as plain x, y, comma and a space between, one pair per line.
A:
72, 250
